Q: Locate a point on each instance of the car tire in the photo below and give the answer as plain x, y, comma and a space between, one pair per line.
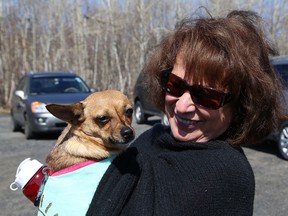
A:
27, 130
283, 141
15, 126
140, 116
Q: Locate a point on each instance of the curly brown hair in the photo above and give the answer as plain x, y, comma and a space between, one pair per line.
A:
231, 52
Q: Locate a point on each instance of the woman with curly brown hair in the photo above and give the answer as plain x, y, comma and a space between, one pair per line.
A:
214, 80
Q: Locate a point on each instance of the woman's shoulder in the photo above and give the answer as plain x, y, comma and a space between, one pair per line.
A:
151, 136
157, 142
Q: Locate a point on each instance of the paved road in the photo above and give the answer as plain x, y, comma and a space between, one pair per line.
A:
271, 172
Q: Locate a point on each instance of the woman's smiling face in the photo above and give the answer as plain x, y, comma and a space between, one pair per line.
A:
191, 122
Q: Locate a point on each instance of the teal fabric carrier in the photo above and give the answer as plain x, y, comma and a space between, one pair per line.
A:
70, 192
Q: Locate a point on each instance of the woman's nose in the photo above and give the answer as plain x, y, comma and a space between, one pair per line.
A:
185, 103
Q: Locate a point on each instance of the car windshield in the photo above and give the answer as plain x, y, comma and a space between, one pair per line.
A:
52, 85
282, 69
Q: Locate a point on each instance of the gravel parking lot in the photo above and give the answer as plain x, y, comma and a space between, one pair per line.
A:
271, 172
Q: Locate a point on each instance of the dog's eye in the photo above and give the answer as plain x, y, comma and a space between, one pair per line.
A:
129, 112
102, 119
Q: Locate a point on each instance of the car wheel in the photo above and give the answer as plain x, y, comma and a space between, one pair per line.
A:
164, 120
140, 116
283, 141
27, 130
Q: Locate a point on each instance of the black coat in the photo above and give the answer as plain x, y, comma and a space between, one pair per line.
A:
159, 175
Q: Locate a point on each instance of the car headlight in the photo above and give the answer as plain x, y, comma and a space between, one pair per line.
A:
38, 107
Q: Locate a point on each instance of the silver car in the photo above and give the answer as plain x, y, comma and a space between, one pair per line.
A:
34, 91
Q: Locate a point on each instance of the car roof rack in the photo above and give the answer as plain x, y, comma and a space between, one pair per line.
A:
38, 72
279, 58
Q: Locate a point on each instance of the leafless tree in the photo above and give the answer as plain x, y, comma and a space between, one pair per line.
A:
104, 41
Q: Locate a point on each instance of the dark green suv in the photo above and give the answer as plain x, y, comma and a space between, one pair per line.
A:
143, 107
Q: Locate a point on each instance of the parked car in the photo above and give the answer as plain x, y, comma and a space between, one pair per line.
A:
143, 107
280, 63
34, 91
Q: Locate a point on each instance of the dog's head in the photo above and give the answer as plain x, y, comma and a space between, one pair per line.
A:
104, 117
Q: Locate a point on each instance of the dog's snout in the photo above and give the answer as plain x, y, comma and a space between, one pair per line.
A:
127, 133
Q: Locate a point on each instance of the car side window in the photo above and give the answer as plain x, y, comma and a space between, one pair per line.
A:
282, 69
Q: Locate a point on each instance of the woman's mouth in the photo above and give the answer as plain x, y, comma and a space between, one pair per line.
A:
184, 121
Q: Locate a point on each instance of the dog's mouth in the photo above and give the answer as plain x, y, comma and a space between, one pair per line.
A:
119, 142
127, 135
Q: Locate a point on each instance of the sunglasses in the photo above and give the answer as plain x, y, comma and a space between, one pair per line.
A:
206, 97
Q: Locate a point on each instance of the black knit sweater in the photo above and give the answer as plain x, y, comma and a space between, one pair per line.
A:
159, 175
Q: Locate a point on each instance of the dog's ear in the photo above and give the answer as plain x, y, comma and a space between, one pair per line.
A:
69, 113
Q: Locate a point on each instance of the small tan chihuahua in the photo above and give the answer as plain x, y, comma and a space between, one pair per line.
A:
98, 127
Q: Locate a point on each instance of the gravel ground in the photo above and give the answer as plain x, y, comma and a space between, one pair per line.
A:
270, 172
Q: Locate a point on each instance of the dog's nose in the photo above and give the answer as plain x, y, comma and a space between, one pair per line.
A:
127, 133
